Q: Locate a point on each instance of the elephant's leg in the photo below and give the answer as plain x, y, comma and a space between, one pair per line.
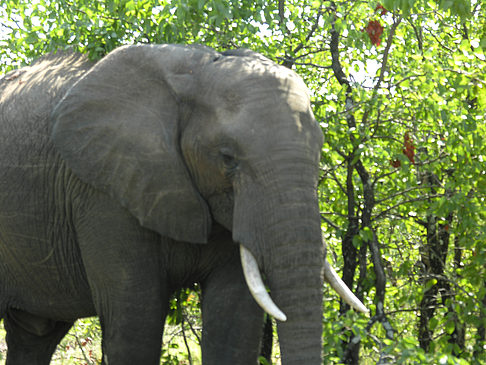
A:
232, 321
32, 340
122, 264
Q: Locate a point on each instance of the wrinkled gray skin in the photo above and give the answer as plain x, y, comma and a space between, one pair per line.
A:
124, 181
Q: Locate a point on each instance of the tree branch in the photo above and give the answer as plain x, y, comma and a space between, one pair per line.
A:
311, 32
384, 212
329, 222
384, 63
355, 163
288, 60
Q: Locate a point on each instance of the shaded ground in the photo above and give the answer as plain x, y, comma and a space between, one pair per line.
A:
81, 346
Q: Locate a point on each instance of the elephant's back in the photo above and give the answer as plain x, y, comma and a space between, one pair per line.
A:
28, 95
37, 241
28, 160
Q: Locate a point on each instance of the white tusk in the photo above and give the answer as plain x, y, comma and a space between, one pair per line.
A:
342, 289
256, 286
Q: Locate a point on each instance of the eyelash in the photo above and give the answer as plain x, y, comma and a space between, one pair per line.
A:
229, 161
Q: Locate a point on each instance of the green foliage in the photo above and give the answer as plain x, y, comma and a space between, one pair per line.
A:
432, 90
183, 329
35, 28
80, 346
417, 98
263, 361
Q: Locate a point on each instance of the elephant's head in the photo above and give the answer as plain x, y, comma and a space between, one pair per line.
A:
184, 136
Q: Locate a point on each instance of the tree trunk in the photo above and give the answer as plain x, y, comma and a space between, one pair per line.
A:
433, 260
479, 353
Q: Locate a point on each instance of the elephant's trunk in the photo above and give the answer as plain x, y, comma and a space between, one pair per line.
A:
295, 278
277, 219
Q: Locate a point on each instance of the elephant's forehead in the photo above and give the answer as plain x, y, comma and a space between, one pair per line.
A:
284, 83
264, 93
247, 75
264, 102
265, 127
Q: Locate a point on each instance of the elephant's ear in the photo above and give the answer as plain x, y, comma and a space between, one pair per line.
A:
118, 130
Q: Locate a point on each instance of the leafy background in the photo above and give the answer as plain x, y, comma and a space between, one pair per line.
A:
399, 90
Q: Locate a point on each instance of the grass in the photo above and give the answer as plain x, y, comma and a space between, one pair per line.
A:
82, 345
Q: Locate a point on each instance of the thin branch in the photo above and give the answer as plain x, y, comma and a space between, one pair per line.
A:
8, 26
311, 52
78, 342
402, 192
336, 214
102, 16
383, 67
417, 163
336, 63
432, 33
469, 75
418, 34
189, 357
402, 80
292, 61
338, 182
111, 18
194, 332
384, 62
281, 14
311, 32
288, 61
384, 212
329, 222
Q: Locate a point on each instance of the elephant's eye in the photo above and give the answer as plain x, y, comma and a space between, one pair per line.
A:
229, 161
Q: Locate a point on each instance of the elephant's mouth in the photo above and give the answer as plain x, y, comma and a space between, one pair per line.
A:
259, 292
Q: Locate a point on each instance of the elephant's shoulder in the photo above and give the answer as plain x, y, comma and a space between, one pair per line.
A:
46, 78
28, 95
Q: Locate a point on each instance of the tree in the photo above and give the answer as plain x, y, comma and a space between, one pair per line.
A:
399, 90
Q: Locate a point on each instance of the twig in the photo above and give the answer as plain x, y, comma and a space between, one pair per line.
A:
402, 192
194, 332
281, 15
111, 18
384, 212
384, 62
287, 61
311, 32
88, 361
329, 222
386, 52
404, 79
189, 357
292, 61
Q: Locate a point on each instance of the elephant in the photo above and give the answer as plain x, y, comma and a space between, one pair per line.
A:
157, 167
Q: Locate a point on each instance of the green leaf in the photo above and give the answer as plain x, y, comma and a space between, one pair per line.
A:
433, 322
366, 234
430, 283
357, 241
450, 327
32, 38
263, 361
